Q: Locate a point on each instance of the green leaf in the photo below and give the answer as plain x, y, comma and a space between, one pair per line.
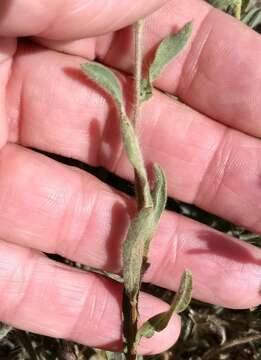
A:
133, 151
106, 79
233, 7
180, 302
168, 49
159, 193
146, 90
141, 231
159, 197
183, 296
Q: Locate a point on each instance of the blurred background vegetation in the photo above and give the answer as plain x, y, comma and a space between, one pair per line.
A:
208, 332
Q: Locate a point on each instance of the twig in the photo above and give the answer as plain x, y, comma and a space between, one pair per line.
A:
213, 353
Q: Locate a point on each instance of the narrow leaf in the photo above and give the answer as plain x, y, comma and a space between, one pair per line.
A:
180, 302
146, 89
233, 7
159, 193
159, 197
133, 151
106, 79
139, 232
183, 296
168, 49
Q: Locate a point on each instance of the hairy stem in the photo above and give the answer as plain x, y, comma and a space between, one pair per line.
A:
138, 68
130, 305
130, 327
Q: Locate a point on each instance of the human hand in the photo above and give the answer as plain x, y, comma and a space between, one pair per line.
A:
211, 160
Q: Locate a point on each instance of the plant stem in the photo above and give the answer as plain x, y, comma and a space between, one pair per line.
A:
130, 326
138, 68
130, 304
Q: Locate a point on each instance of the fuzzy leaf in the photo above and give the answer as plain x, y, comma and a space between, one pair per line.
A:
184, 293
159, 193
180, 302
146, 90
106, 79
233, 7
168, 49
159, 197
139, 232
133, 151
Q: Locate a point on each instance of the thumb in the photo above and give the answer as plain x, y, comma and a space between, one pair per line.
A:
70, 20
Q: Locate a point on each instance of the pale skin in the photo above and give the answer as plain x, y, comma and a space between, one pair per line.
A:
208, 146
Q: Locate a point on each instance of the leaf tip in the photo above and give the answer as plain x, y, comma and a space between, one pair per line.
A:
85, 67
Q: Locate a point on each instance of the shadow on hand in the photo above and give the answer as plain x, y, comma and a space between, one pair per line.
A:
224, 246
120, 218
110, 138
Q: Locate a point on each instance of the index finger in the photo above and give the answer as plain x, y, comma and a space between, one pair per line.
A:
69, 20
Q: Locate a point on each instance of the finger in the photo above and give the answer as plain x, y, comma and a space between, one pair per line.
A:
7, 49
70, 213
52, 299
213, 166
75, 20
218, 73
